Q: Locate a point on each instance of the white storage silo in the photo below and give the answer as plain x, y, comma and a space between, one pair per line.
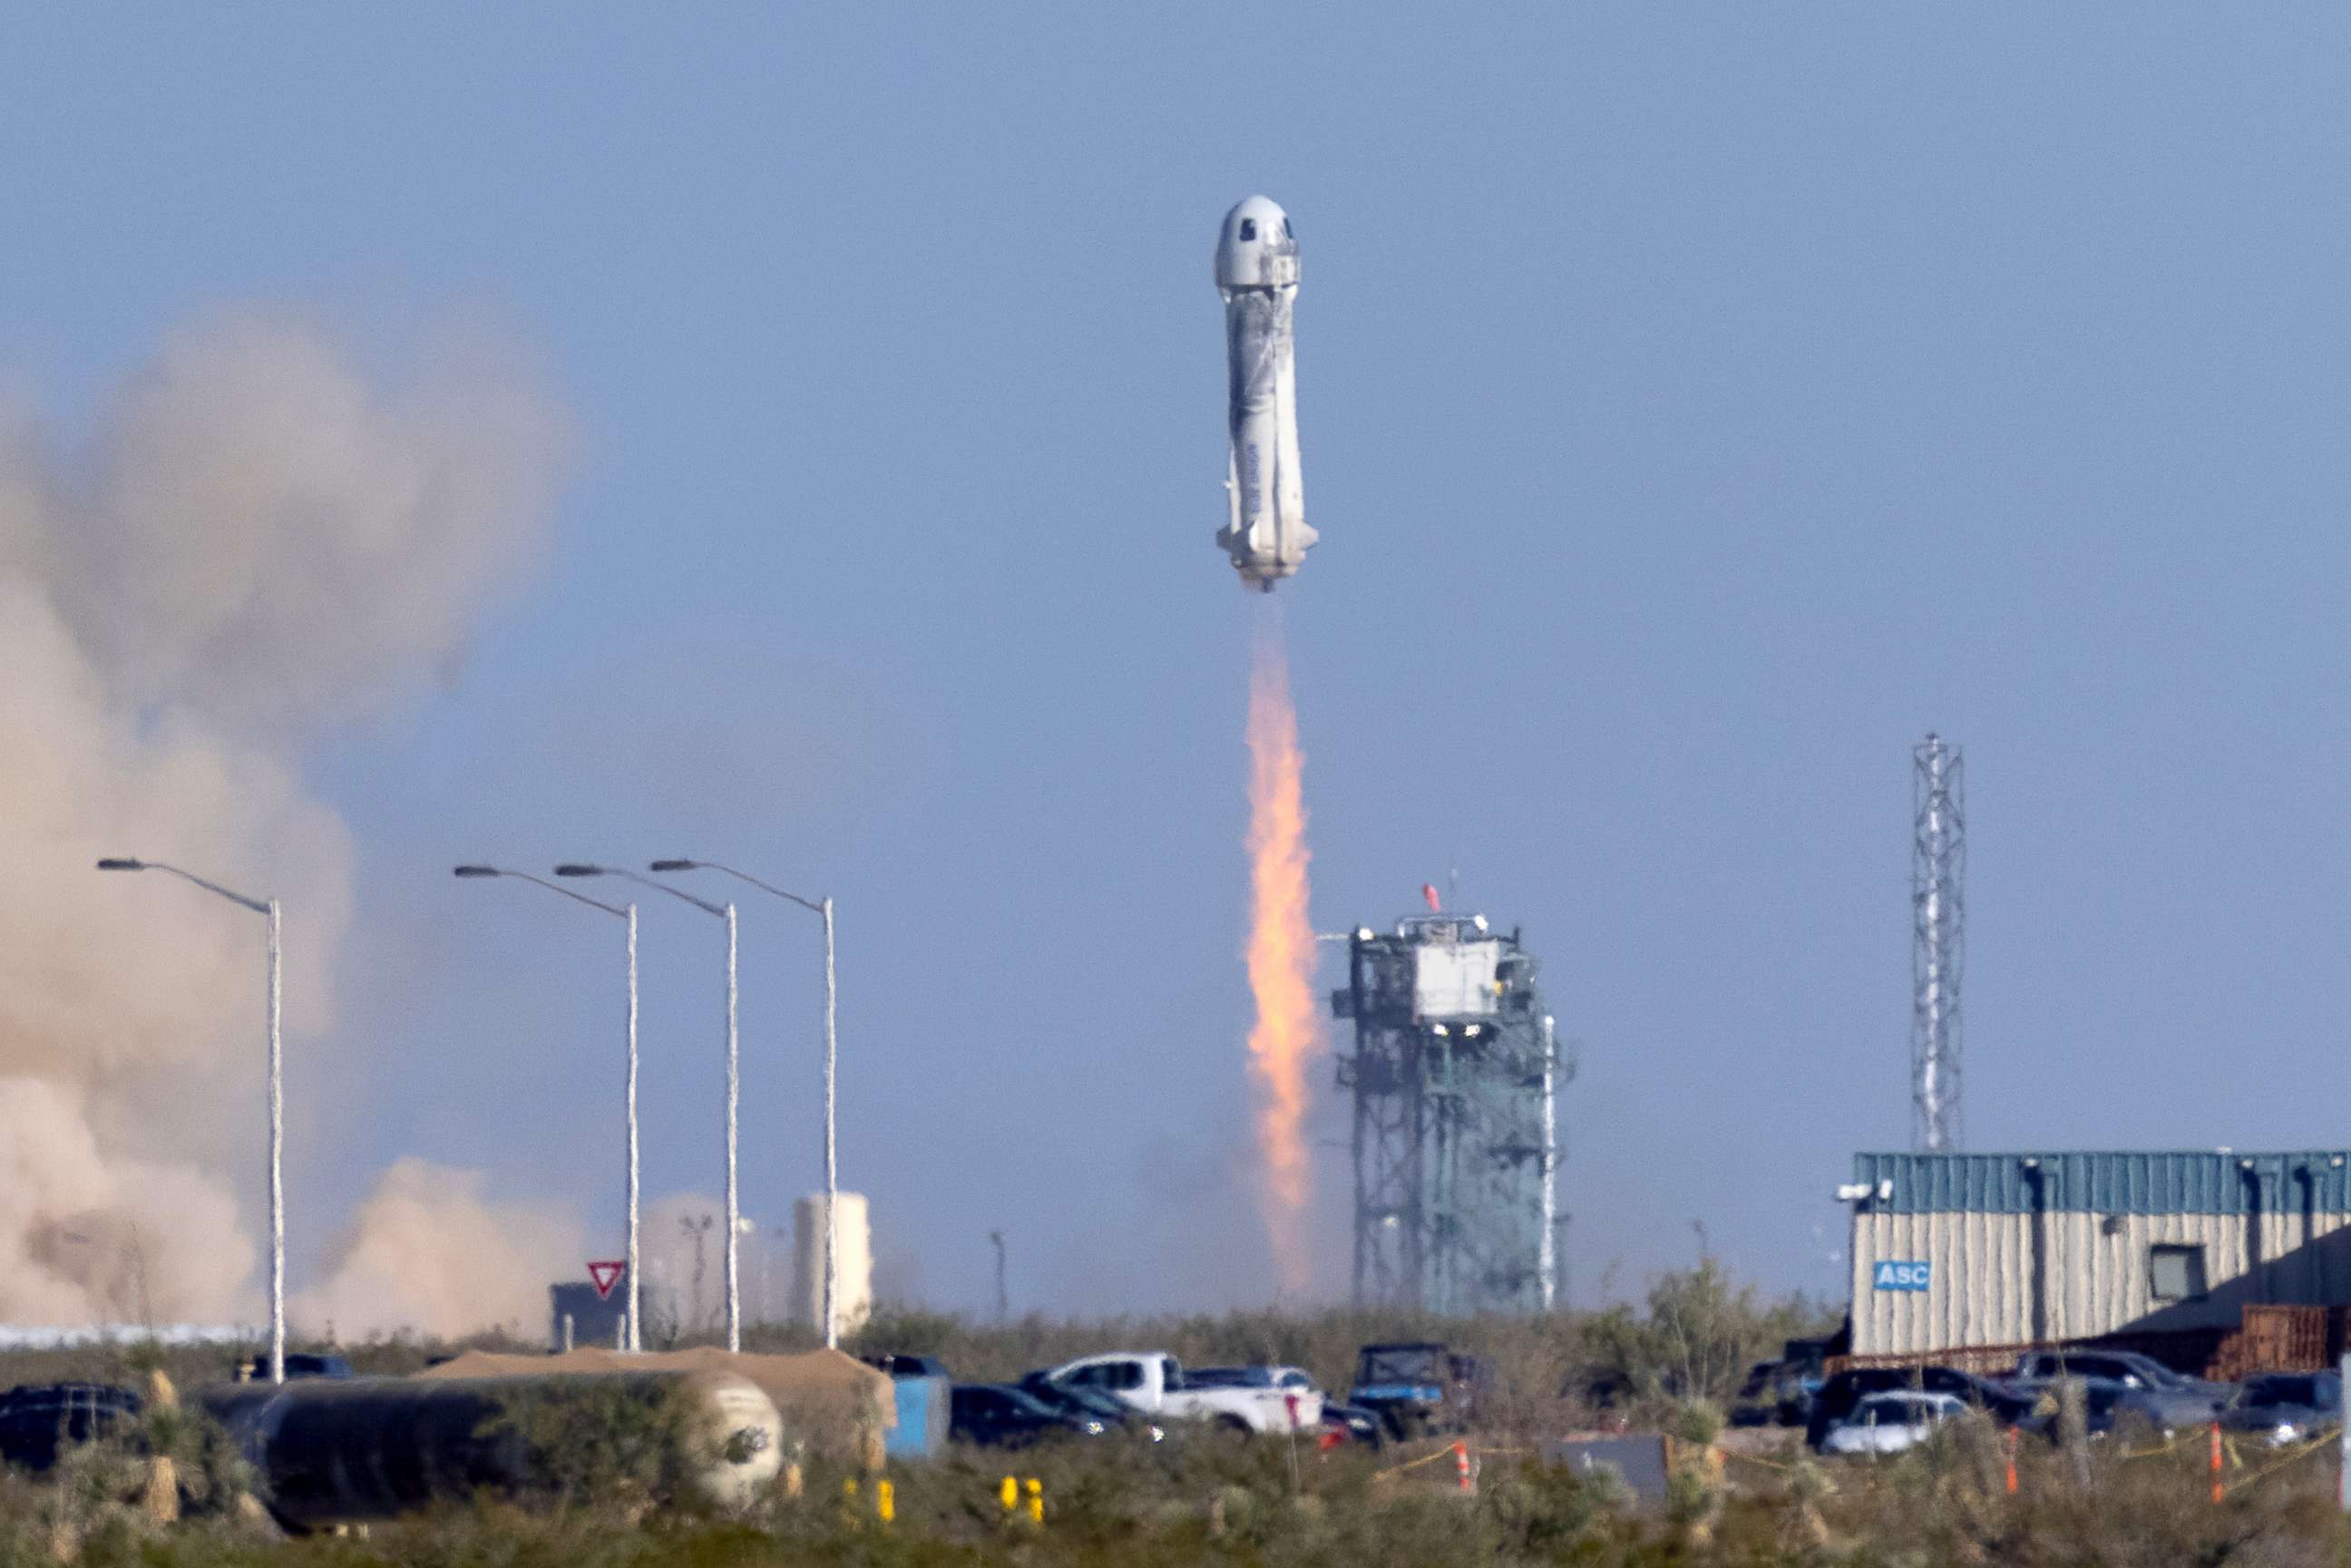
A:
854, 1286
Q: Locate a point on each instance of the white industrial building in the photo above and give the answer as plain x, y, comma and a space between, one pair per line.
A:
1951, 1250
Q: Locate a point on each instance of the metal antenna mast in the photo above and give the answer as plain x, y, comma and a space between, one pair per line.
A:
1939, 856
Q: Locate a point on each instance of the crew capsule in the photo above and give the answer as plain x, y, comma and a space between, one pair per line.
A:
1265, 532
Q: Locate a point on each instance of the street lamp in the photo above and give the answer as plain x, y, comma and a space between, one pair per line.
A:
1003, 1302
628, 913
734, 1083
268, 908
831, 1057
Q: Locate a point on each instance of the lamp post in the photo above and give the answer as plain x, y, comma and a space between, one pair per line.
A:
268, 908
1003, 1301
822, 907
628, 913
734, 1083
1547, 1253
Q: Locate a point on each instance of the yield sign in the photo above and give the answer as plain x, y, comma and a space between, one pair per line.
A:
604, 1275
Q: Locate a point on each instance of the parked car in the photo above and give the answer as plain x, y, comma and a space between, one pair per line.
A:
2285, 1406
1890, 1422
1419, 1387
1289, 1380
1154, 1383
1248, 1377
993, 1416
1341, 1423
1840, 1395
2174, 1398
2106, 1405
1776, 1394
898, 1365
1088, 1403
1352, 1423
38, 1420
299, 1364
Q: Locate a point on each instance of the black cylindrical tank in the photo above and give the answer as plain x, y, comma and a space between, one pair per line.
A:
332, 1452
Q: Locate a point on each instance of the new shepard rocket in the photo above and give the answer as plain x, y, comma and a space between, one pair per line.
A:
1257, 272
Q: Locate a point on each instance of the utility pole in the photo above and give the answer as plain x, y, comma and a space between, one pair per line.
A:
1547, 1257
631, 1334
832, 1143
734, 1082
1003, 1301
277, 1154
1938, 940
267, 908
823, 908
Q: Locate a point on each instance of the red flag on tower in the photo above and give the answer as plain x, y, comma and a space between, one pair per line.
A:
1428, 892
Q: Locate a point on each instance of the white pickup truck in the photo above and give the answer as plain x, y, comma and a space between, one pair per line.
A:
1152, 1382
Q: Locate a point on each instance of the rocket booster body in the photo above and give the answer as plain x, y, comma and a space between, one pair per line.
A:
1257, 273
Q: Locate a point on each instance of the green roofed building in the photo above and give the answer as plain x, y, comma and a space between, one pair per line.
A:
1952, 1251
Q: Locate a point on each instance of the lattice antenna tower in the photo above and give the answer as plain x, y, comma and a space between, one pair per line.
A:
1939, 856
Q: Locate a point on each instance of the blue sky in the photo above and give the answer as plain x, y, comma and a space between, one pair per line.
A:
1698, 404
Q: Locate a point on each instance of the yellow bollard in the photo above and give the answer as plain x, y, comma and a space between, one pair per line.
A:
1010, 1494
1036, 1500
886, 1501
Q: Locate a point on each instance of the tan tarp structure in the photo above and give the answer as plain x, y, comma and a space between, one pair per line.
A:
835, 1404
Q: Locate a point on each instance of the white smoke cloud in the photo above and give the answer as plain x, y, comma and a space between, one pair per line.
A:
267, 538
427, 1252
84, 1236
250, 543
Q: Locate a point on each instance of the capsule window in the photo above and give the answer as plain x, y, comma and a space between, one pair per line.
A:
1249, 228
1287, 231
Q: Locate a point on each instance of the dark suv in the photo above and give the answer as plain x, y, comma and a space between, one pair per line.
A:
2171, 1398
898, 1364
38, 1420
1419, 1389
1840, 1394
299, 1364
992, 1415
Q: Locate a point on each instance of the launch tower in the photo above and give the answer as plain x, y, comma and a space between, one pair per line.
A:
1455, 1071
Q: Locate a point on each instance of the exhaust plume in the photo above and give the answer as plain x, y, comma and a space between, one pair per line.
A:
1287, 1036
254, 541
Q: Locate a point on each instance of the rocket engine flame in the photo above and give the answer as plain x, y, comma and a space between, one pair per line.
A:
1287, 1036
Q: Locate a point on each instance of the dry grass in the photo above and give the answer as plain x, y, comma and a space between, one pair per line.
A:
1240, 1503
1211, 1499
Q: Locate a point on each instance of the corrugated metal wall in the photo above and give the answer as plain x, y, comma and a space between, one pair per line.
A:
2201, 1181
